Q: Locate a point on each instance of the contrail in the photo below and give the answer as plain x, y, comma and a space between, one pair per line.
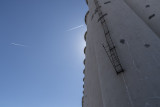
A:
75, 28
18, 44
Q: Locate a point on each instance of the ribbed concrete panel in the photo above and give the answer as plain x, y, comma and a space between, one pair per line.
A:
92, 91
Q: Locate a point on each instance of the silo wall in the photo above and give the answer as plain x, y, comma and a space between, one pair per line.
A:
92, 92
148, 11
139, 54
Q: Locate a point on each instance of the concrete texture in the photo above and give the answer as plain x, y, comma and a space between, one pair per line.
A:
148, 11
138, 47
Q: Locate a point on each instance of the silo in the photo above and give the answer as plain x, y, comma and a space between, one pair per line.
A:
122, 52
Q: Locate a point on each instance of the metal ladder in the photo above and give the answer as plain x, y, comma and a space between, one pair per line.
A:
110, 49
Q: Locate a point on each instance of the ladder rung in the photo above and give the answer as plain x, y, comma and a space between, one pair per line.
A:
101, 16
98, 7
117, 65
102, 22
112, 48
115, 59
107, 33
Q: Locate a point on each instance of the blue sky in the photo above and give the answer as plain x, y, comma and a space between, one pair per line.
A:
41, 54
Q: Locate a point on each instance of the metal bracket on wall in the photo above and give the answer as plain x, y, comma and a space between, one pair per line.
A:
110, 49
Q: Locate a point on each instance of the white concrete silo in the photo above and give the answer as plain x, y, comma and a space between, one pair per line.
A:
117, 34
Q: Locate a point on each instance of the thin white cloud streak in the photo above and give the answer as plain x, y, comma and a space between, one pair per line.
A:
18, 45
75, 28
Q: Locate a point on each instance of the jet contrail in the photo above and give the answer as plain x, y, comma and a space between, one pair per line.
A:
18, 44
75, 28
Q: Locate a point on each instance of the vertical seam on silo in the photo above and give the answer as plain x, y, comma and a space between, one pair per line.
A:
128, 93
